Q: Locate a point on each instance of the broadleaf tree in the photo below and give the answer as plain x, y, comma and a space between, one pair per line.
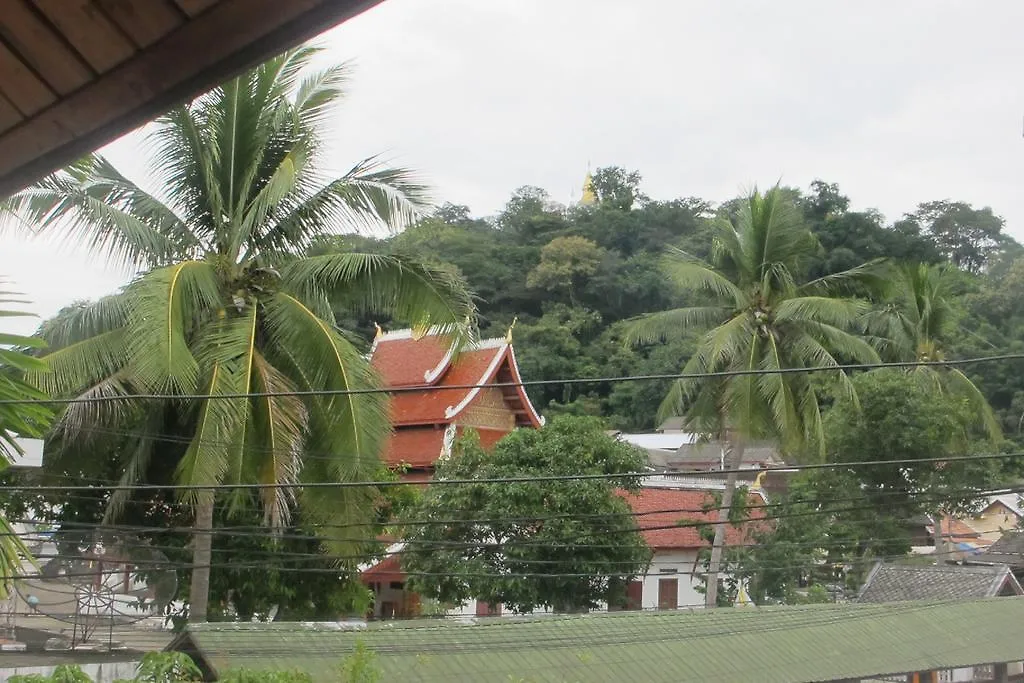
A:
227, 302
756, 315
524, 544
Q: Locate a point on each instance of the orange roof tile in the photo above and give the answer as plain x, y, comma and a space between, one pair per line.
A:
429, 406
664, 507
402, 361
414, 447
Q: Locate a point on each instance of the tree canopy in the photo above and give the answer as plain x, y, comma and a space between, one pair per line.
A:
525, 544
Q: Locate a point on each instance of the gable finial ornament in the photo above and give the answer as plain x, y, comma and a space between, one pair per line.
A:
508, 335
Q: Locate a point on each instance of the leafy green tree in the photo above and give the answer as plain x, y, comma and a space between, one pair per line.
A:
24, 418
617, 188
565, 265
757, 316
227, 303
968, 237
533, 549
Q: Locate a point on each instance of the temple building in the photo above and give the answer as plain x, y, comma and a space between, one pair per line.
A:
435, 396
438, 394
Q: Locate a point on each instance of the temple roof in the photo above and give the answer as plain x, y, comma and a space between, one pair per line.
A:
450, 381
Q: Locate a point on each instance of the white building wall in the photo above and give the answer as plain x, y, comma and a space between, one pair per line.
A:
673, 564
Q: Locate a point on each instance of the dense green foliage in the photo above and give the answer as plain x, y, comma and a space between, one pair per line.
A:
525, 544
574, 297
834, 523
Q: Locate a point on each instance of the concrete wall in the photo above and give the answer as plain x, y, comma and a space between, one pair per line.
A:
104, 672
677, 565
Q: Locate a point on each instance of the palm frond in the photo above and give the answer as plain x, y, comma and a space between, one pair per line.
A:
350, 428
84, 319
673, 324
281, 423
368, 198
696, 276
164, 305
206, 459
92, 204
72, 368
842, 313
317, 94
871, 278
183, 163
419, 294
134, 463
960, 385
24, 418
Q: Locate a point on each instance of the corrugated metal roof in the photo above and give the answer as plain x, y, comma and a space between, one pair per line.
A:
767, 644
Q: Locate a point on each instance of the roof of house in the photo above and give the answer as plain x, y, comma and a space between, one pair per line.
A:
1009, 549
78, 74
769, 644
451, 381
1014, 502
898, 582
666, 517
955, 530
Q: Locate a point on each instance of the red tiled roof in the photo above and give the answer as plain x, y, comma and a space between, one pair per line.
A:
428, 406
955, 529
415, 447
651, 504
388, 569
404, 361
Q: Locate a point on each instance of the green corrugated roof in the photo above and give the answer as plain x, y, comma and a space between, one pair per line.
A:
769, 644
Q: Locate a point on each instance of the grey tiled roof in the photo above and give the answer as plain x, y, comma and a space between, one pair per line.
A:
1009, 549
898, 582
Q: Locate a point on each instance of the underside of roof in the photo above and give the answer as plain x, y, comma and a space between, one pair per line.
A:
76, 74
767, 644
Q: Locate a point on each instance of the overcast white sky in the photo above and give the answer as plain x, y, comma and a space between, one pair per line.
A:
897, 101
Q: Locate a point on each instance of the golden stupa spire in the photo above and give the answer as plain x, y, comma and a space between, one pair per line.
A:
589, 197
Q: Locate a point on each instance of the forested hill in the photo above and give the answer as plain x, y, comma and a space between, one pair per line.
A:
573, 275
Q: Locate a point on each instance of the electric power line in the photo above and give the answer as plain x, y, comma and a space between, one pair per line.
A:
532, 383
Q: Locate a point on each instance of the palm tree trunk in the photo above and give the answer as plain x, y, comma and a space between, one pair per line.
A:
202, 556
733, 458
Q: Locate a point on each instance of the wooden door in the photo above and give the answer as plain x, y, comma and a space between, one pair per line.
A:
668, 593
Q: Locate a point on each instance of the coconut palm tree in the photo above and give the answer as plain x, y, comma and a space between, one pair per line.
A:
912, 324
24, 418
757, 316
228, 303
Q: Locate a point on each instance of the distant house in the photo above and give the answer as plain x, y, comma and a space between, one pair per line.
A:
666, 512
964, 540
889, 582
1000, 514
